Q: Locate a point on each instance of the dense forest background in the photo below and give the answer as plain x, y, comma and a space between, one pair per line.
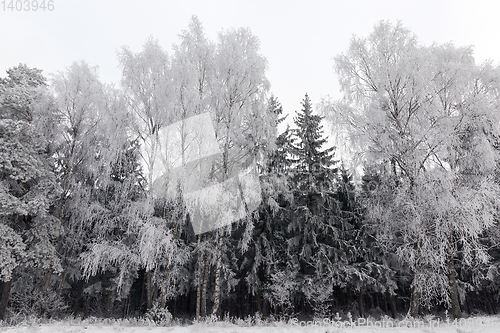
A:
84, 231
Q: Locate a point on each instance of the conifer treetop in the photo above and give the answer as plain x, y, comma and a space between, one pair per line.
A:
307, 146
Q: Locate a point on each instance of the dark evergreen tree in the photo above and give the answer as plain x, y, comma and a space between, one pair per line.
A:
314, 166
263, 264
312, 224
368, 271
280, 159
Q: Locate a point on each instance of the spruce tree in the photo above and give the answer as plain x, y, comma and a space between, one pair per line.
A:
279, 159
312, 235
314, 166
271, 230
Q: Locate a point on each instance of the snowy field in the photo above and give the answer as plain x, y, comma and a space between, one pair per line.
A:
471, 325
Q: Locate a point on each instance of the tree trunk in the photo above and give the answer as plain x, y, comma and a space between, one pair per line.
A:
109, 304
265, 307
126, 306
372, 301
206, 269
164, 294
149, 291
86, 307
259, 302
4, 299
217, 291
78, 296
361, 303
452, 280
467, 303
392, 304
143, 289
415, 300
198, 280
383, 303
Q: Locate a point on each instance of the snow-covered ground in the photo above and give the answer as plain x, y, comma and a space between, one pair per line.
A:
472, 325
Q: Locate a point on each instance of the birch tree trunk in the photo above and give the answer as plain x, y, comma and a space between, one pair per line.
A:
206, 270
218, 268
415, 299
164, 294
198, 280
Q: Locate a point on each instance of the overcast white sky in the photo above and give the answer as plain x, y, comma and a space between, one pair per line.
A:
298, 38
